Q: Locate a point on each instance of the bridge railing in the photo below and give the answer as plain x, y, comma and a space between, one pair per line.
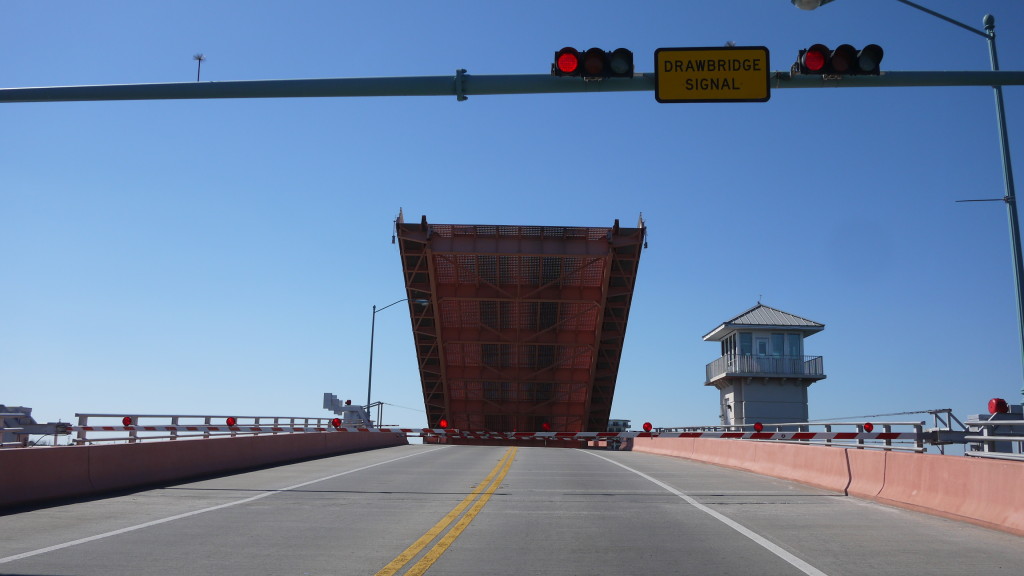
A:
995, 438
93, 428
895, 436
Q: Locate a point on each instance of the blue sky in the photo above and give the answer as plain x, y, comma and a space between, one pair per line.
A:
222, 257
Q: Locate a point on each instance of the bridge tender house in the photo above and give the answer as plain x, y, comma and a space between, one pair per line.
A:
716, 66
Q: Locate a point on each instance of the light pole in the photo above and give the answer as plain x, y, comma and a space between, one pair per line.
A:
1009, 198
373, 323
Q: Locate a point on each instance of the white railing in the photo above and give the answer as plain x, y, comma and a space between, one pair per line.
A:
745, 364
901, 436
92, 428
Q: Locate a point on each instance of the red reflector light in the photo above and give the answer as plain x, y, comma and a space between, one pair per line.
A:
647, 426
231, 421
869, 427
126, 421
758, 427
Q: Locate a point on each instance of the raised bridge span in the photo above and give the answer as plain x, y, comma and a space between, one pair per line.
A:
413, 509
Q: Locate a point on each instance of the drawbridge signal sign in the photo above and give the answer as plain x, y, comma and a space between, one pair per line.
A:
724, 74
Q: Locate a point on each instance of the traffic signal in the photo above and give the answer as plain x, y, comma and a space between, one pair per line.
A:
845, 60
594, 63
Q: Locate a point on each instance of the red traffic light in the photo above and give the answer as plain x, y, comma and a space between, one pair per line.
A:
594, 63
567, 62
231, 421
336, 422
647, 427
845, 60
813, 59
126, 421
443, 423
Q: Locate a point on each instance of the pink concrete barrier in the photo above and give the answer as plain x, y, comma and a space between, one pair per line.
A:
982, 492
29, 475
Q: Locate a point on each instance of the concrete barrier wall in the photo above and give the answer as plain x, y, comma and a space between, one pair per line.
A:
979, 491
32, 475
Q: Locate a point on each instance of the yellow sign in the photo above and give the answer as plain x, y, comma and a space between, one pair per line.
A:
725, 74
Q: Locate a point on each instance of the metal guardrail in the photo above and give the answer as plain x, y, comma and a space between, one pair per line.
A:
896, 436
139, 427
999, 438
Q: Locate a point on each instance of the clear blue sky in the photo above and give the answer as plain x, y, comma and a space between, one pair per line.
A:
222, 257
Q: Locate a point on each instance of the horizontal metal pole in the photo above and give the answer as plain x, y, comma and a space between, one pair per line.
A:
467, 85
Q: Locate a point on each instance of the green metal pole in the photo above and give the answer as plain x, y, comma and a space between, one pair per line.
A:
1010, 198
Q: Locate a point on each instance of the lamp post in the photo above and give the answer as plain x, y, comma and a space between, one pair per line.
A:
373, 323
1009, 198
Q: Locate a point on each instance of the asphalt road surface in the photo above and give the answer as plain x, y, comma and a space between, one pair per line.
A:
477, 510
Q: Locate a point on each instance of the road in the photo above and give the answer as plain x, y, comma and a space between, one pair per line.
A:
493, 510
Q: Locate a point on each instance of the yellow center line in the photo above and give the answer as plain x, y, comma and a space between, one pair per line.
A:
409, 553
442, 545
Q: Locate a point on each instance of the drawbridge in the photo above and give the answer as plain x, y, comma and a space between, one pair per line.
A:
519, 328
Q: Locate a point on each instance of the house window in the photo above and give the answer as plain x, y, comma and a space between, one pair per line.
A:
746, 343
794, 345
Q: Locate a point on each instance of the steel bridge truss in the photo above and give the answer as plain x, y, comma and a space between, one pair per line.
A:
523, 326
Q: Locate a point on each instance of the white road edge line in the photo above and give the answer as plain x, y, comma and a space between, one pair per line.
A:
764, 542
270, 492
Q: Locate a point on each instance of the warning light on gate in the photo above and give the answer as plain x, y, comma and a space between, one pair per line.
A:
231, 421
348, 402
545, 427
336, 422
869, 427
647, 427
758, 427
998, 406
443, 423
126, 421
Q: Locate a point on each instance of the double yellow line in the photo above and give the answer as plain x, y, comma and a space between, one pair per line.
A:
487, 487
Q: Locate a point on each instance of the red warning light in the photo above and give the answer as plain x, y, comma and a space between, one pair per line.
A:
998, 406
758, 427
869, 427
443, 423
546, 427
336, 422
348, 402
231, 421
126, 421
647, 426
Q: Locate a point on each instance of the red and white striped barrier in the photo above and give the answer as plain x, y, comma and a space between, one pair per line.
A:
486, 435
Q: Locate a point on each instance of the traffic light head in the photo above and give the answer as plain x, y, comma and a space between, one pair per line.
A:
594, 63
845, 60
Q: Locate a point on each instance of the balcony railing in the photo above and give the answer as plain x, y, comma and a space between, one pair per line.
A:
808, 367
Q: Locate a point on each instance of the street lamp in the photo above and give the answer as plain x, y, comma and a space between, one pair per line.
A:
373, 322
1009, 198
